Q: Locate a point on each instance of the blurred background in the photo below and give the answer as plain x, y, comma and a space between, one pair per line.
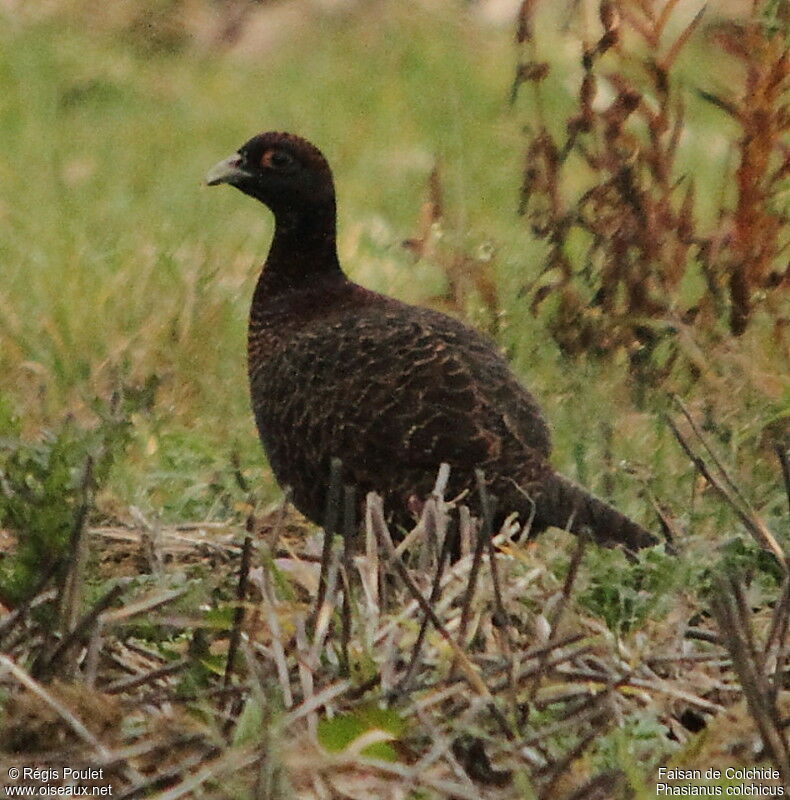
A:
599, 185
126, 283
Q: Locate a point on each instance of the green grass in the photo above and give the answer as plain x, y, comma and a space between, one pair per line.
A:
118, 265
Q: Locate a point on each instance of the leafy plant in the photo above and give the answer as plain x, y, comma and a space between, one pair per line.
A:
47, 485
626, 594
750, 563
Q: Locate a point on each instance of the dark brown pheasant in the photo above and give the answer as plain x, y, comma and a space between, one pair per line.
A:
393, 390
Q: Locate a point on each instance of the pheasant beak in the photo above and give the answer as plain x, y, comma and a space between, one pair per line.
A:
227, 171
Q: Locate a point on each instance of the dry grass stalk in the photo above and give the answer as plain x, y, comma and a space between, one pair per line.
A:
784, 461
347, 573
468, 275
719, 478
18, 616
734, 621
72, 587
74, 723
135, 681
238, 614
400, 645
436, 587
557, 611
47, 663
466, 667
330, 526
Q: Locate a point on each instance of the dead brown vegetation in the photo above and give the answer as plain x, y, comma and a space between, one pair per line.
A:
611, 185
450, 683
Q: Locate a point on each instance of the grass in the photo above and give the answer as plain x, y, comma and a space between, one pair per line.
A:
120, 271
117, 259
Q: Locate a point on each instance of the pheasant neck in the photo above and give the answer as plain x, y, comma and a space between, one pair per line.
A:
303, 250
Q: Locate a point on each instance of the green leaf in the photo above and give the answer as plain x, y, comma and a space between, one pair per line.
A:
248, 728
340, 732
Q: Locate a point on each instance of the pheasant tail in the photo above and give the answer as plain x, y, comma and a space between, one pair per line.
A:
566, 505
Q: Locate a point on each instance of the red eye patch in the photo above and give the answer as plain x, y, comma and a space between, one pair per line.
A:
266, 158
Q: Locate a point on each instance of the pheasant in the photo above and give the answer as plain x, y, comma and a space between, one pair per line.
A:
337, 371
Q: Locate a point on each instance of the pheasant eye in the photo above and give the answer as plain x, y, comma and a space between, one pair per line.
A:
276, 159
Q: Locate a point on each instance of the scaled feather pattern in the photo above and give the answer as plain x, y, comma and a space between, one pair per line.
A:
392, 390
